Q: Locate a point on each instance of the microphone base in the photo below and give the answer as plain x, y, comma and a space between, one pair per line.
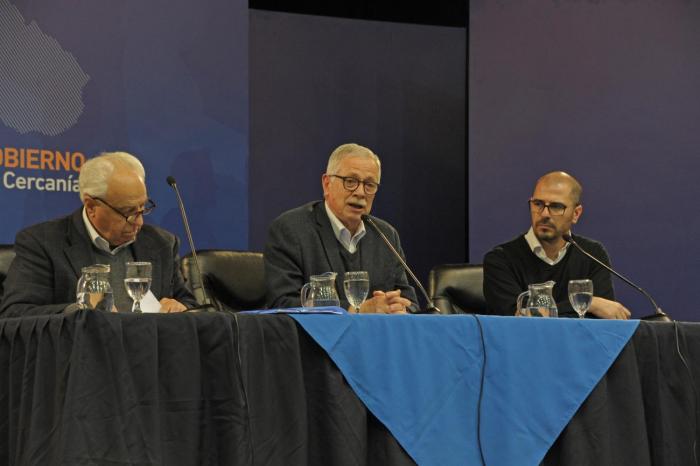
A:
202, 308
432, 310
658, 317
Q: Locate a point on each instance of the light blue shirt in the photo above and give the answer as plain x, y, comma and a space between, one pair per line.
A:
342, 234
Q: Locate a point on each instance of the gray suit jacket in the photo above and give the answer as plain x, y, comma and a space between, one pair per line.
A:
301, 243
44, 274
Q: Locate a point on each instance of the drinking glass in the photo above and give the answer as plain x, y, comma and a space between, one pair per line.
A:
580, 295
356, 285
137, 282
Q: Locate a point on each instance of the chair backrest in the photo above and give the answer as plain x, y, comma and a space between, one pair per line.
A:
233, 280
458, 288
7, 255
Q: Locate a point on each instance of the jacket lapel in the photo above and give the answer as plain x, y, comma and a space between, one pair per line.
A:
330, 243
78, 250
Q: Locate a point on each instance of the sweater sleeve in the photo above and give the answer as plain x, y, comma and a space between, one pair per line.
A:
501, 285
602, 280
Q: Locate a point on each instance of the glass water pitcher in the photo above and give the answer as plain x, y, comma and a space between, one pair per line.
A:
93, 290
540, 302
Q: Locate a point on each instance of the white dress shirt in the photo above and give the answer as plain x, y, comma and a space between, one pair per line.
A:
538, 250
99, 242
343, 235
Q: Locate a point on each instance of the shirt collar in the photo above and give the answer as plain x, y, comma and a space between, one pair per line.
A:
538, 250
342, 234
99, 242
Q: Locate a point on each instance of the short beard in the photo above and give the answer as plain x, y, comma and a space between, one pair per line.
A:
548, 238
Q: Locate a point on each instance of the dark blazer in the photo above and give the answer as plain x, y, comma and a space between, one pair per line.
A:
301, 243
44, 274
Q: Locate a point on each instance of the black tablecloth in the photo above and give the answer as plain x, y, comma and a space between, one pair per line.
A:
188, 389
644, 411
217, 389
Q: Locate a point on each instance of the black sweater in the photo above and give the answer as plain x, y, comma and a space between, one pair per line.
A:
511, 267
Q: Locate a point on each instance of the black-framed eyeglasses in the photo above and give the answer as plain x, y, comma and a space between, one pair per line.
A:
130, 218
351, 184
555, 208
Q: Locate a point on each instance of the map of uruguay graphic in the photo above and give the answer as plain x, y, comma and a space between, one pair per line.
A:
41, 84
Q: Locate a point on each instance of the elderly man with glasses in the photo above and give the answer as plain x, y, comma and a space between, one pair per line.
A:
107, 229
542, 254
330, 236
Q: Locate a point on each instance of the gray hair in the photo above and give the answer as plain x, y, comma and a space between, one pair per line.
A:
96, 172
348, 150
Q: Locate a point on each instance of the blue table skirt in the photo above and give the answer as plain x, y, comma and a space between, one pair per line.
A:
421, 376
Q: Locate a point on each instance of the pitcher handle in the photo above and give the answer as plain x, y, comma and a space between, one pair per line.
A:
519, 303
304, 295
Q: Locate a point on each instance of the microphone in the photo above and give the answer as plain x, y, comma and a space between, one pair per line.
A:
658, 315
199, 292
431, 308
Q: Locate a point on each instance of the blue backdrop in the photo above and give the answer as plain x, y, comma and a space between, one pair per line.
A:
607, 91
164, 80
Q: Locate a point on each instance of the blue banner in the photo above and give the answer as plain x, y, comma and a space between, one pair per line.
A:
165, 81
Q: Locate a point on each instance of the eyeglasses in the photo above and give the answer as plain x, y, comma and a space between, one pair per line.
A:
351, 183
131, 218
555, 208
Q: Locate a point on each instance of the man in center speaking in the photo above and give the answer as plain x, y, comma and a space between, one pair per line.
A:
330, 236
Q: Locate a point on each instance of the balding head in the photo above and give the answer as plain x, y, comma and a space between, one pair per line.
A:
554, 207
562, 180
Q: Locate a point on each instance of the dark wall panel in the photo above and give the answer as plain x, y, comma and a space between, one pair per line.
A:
317, 82
608, 91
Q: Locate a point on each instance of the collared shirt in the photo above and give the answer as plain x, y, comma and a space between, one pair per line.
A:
538, 250
342, 234
99, 242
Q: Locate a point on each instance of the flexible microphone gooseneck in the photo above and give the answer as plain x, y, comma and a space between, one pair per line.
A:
658, 315
204, 298
431, 308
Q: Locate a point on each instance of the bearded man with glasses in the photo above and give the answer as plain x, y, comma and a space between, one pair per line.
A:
542, 254
108, 229
330, 236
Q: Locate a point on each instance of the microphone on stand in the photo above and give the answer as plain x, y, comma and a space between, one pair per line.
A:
658, 315
199, 292
431, 308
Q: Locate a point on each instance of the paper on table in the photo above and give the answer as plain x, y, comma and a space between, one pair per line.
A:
149, 303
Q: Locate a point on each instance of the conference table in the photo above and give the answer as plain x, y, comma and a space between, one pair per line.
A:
326, 389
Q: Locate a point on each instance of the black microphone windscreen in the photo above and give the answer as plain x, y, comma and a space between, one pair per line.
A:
566, 237
170, 180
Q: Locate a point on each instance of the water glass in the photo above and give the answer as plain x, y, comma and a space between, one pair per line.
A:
137, 282
356, 286
580, 295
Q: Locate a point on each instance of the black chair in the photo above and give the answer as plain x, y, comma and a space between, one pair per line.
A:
458, 288
7, 255
233, 280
